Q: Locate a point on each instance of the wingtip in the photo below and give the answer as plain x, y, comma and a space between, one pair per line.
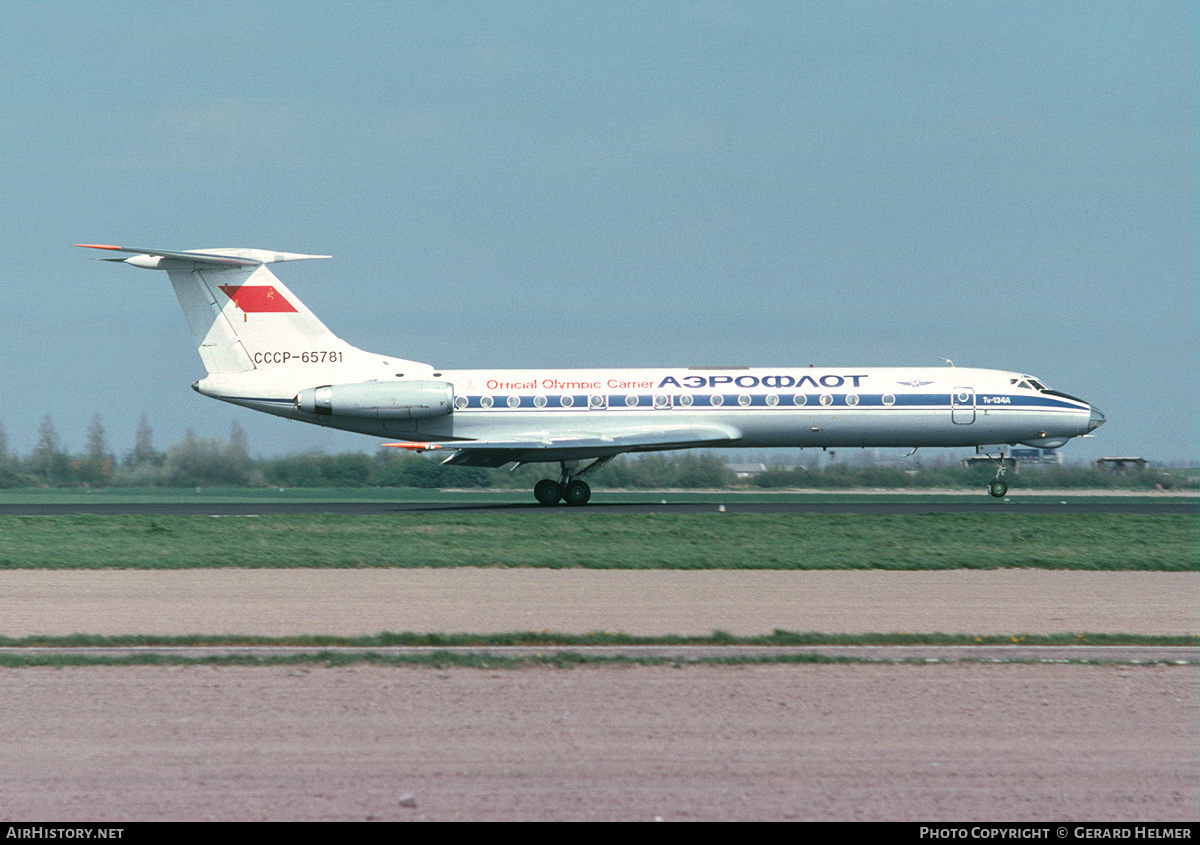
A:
99, 246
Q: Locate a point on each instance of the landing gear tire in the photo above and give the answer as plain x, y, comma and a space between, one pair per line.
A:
577, 492
998, 489
547, 492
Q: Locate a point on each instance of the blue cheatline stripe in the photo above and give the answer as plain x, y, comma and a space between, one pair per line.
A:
729, 401
701, 401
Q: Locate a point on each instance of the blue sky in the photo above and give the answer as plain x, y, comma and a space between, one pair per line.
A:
1006, 184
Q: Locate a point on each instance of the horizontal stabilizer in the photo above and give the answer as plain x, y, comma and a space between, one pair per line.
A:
223, 258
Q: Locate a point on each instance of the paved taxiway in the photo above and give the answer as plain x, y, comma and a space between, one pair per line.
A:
488, 600
965, 742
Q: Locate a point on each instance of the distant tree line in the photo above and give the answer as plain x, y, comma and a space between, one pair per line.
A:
205, 462
194, 461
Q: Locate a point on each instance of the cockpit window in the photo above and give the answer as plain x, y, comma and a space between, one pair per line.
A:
1038, 384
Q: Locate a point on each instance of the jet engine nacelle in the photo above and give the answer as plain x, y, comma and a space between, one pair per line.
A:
389, 400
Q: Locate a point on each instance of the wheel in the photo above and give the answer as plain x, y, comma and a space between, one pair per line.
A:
577, 492
547, 492
998, 488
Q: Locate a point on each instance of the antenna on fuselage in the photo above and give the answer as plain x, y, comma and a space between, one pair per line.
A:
947, 360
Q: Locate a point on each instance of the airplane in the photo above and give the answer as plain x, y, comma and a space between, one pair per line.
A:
263, 349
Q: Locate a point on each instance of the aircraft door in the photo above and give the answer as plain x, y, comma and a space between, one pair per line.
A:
962, 406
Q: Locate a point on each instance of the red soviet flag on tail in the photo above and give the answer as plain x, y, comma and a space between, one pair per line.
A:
257, 299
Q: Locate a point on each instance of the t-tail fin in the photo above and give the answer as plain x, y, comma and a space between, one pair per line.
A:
241, 315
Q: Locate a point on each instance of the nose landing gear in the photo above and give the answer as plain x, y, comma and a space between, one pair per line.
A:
570, 487
999, 487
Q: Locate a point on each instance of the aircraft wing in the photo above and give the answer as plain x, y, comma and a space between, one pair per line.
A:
578, 446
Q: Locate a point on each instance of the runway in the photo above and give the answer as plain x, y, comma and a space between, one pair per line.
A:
651, 504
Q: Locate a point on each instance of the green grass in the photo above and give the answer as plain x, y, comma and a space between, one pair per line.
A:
594, 638
557, 539
435, 660
448, 649
475, 660
557, 653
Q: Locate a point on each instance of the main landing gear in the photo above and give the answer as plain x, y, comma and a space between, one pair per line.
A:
570, 487
574, 492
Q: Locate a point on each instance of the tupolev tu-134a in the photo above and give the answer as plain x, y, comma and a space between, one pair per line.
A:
265, 350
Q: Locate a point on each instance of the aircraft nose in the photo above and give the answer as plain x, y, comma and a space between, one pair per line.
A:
1097, 419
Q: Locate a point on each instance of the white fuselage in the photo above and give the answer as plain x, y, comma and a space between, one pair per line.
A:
764, 407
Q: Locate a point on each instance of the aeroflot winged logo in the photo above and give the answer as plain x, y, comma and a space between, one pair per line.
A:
257, 299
